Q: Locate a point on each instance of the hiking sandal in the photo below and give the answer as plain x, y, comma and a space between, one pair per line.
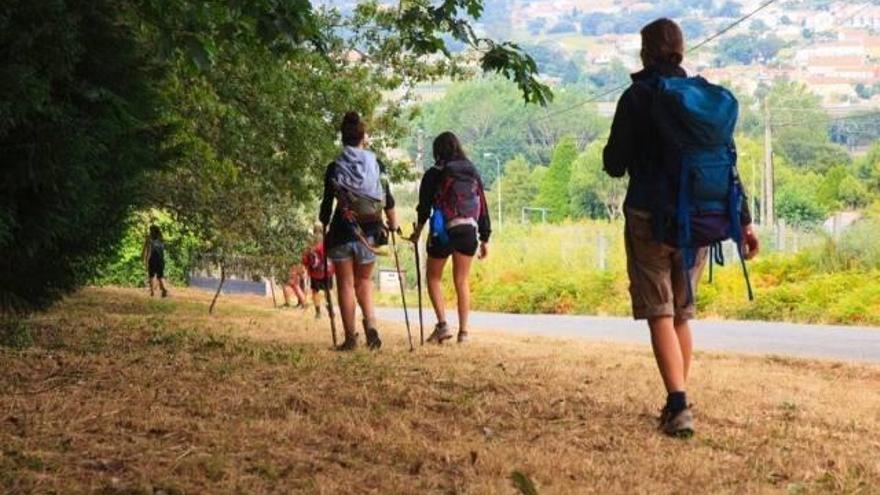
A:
441, 333
463, 337
373, 340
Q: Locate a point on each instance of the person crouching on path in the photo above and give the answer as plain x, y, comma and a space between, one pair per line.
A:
355, 182
294, 285
658, 285
313, 261
452, 190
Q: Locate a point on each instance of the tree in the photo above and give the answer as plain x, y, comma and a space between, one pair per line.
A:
553, 192
488, 118
554, 62
230, 108
841, 189
868, 169
852, 193
78, 132
747, 48
797, 199
613, 75
594, 194
800, 127
519, 190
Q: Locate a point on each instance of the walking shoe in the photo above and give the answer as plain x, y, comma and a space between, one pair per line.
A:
164, 293
680, 425
349, 344
441, 332
373, 340
463, 337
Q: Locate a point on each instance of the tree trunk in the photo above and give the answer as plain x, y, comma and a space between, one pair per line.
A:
272, 288
219, 287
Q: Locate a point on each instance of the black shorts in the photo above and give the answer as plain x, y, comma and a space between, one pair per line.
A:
319, 284
156, 268
462, 239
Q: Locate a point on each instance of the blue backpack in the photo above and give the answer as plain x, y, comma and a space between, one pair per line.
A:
696, 122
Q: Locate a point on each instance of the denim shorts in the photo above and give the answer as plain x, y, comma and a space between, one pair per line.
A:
354, 250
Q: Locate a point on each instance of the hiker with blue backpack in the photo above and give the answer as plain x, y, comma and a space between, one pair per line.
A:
355, 232
673, 135
451, 196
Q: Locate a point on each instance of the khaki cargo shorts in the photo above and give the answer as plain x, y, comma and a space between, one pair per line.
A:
657, 283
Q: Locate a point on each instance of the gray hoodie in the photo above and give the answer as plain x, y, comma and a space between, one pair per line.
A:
358, 171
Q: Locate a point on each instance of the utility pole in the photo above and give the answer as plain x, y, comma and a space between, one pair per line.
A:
768, 217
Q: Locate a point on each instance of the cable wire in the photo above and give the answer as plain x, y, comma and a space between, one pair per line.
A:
699, 45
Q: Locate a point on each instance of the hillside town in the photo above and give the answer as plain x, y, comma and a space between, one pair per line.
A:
832, 47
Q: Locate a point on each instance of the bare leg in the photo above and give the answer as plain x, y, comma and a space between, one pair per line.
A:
286, 291
345, 294
686, 344
363, 286
152, 287
317, 300
161, 284
667, 351
435, 286
461, 269
300, 295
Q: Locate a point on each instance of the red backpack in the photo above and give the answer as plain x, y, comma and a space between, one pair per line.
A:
460, 194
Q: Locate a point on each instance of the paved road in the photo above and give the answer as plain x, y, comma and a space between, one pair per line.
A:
817, 341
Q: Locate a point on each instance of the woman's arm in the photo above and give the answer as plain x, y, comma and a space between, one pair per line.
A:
390, 213
427, 191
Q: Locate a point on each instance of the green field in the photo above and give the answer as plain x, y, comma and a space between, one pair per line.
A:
557, 269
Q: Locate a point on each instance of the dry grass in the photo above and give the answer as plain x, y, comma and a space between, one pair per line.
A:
123, 394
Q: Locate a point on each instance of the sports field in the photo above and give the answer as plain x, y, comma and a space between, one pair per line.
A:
120, 394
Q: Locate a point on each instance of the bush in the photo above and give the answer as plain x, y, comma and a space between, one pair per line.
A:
78, 130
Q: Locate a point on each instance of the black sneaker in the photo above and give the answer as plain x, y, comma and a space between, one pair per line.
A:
349, 344
373, 340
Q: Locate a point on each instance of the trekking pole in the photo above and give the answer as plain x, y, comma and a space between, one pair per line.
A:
327, 279
402, 292
419, 286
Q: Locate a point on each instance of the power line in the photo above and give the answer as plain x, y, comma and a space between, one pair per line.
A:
732, 25
690, 50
